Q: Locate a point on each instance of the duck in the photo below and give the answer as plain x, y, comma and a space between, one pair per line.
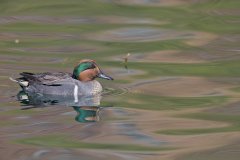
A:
81, 82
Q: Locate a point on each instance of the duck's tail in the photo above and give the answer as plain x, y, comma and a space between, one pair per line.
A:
21, 82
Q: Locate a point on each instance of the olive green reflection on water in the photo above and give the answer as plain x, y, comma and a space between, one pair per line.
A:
64, 141
35, 31
233, 120
154, 102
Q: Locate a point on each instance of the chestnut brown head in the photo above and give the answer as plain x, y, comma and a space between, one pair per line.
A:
88, 70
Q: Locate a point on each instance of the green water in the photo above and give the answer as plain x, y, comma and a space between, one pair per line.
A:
182, 78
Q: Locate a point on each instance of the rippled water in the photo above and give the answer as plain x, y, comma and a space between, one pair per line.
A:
176, 92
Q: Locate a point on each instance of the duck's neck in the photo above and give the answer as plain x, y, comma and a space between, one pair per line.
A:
74, 77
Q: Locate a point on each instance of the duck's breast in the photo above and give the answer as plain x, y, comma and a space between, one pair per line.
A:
88, 88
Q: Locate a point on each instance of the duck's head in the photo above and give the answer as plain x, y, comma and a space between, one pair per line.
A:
88, 70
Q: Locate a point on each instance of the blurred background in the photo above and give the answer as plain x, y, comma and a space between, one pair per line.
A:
176, 93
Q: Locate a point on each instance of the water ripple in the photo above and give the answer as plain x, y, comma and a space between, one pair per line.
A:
114, 91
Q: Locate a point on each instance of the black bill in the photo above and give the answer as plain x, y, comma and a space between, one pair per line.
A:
104, 76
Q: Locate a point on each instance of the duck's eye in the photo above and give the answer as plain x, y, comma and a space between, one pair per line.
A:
92, 66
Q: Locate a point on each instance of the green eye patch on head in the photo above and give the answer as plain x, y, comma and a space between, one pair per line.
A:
82, 67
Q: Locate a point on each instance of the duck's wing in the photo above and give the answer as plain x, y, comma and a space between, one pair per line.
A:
46, 78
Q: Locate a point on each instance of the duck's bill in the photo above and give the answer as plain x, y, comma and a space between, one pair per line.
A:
104, 76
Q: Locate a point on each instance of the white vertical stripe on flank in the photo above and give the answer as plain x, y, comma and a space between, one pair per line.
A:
75, 93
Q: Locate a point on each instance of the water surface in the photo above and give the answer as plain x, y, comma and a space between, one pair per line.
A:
177, 97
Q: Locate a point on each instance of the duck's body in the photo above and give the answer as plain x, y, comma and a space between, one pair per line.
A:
58, 83
81, 82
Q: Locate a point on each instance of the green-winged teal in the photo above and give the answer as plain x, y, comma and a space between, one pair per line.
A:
80, 82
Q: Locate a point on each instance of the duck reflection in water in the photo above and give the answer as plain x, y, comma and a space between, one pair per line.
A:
87, 107
87, 113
